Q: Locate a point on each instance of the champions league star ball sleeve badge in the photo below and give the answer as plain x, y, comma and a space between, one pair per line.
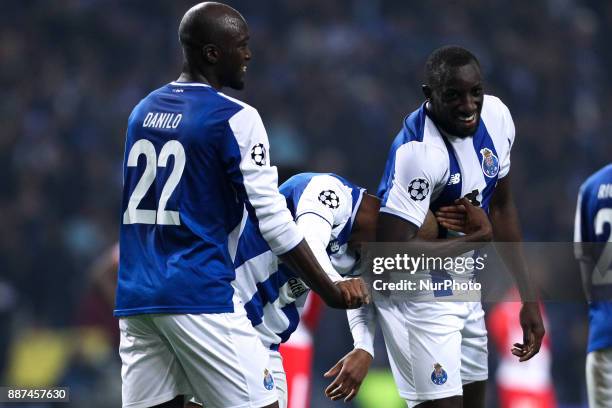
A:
418, 189
330, 199
258, 154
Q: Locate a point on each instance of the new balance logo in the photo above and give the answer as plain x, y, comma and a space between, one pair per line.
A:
454, 179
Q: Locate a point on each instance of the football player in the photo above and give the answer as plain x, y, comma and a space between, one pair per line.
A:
196, 167
455, 146
594, 224
334, 216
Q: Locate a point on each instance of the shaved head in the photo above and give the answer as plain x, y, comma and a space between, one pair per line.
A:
209, 23
215, 39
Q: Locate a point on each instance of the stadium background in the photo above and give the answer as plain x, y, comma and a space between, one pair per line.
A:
332, 81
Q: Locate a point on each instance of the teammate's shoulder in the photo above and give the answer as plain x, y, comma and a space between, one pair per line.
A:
413, 127
330, 191
312, 180
217, 103
245, 108
420, 131
603, 175
326, 177
320, 183
329, 180
423, 151
493, 106
605, 171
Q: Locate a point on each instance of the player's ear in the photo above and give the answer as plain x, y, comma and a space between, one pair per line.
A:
210, 53
426, 91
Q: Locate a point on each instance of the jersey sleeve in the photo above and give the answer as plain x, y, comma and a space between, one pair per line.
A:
362, 322
260, 182
579, 234
324, 204
328, 198
509, 132
419, 170
317, 232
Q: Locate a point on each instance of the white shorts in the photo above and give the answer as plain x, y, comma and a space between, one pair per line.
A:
216, 357
599, 378
280, 380
434, 348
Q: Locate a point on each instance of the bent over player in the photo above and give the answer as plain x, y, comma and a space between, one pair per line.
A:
455, 146
196, 167
335, 216
594, 224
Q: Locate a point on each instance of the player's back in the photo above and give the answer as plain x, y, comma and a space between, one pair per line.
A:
180, 202
272, 294
596, 206
594, 224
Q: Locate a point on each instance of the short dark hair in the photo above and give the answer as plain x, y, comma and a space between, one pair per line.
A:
441, 60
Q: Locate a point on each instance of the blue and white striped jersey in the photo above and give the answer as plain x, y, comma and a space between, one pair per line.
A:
427, 169
196, 166
271, 293
593, 223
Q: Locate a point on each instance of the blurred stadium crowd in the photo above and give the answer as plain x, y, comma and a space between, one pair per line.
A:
332, 81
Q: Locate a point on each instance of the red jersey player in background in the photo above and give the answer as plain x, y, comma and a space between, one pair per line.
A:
298, 353
526, 384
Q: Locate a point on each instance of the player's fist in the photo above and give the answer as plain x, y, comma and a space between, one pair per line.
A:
354, 292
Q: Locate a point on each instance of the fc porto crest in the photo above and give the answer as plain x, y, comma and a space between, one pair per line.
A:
268, 380
490, 162
438, 375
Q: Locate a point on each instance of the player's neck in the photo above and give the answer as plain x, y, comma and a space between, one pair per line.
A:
194, 77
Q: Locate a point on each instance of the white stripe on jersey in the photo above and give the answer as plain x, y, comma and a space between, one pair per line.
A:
234, 236
256, 271
261, 182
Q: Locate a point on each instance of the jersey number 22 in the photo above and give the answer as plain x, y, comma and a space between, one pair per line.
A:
161, 216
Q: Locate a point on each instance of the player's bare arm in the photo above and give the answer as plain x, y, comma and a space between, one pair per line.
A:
506, 228
476, 225
351, 370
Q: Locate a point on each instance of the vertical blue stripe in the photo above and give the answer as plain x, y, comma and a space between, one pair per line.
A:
292, 314
293, 188
451, 192
267, 292
250, 243
481, 140
439, 277
413, 130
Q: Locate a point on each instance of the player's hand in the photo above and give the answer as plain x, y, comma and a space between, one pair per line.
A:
354, 292
452, 217
350, 372
533, 332
476, 221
